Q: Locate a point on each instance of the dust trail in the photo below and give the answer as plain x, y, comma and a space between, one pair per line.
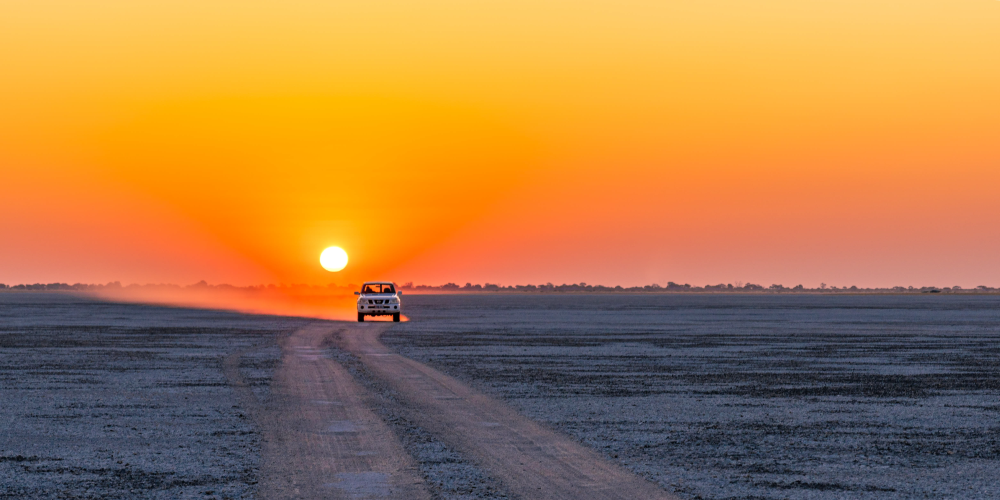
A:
315, 302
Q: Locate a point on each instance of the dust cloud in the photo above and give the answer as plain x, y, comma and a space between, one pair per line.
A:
332, 303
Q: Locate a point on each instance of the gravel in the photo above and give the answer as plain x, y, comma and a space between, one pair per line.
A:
743, 397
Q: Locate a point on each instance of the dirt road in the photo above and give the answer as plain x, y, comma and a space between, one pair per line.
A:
321, 440
531, 460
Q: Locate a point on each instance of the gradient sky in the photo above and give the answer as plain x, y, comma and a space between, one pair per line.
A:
615, 142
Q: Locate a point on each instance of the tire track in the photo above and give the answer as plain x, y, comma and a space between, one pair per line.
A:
320, 439
531, 460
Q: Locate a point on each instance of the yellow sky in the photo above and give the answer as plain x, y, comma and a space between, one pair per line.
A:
429, 138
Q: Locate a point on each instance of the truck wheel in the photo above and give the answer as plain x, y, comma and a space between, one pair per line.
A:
361, 317
395, 317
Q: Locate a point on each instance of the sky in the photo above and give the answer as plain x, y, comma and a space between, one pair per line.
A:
620, 142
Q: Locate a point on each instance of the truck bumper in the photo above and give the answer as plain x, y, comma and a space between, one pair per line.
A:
379, 310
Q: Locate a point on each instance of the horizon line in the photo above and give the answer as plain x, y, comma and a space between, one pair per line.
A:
672, 287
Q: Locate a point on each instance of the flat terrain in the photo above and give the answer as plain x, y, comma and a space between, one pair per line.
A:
726, 396
750, 397
122, 401
531, 460
321, 438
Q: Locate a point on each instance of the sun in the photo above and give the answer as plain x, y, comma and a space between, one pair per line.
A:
333, 259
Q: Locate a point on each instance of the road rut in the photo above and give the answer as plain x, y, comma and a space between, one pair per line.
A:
531, 460
321, 440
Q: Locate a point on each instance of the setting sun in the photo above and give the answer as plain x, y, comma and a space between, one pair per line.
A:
779, 141
333, 259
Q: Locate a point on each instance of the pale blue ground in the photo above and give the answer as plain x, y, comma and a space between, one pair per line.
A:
736, 396
712, 396
106, 400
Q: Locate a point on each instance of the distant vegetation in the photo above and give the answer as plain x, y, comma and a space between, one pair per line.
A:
670, 287
199, 286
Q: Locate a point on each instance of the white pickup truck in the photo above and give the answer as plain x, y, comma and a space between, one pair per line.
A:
379, 298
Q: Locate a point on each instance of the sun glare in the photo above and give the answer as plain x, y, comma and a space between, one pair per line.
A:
333, 259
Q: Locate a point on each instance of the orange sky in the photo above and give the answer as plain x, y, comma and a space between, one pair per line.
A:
616, 142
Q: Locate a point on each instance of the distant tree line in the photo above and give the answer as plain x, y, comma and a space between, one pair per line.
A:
201, 285
670, 287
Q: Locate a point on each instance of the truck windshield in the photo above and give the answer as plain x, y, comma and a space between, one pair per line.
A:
378, 289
